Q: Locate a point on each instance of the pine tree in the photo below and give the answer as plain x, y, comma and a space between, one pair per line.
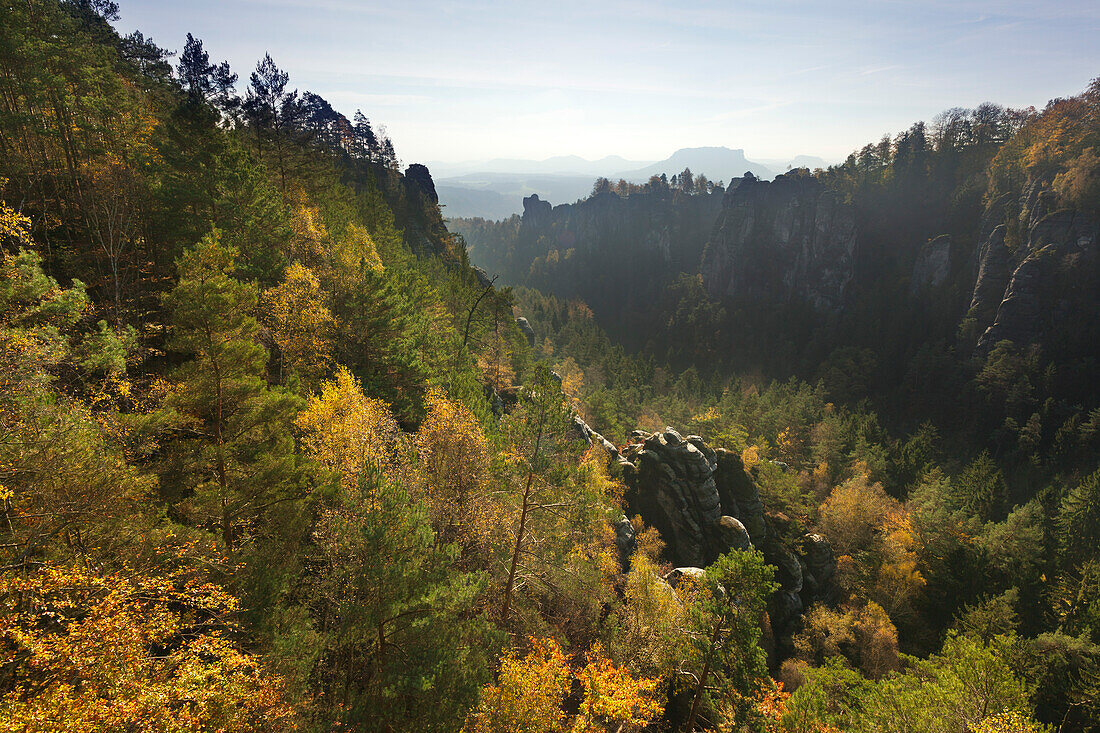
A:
377, 340
402, 646
1079, 522
236, 454
723, 621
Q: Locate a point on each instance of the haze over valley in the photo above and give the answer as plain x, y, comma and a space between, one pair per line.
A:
495, 189
501, 367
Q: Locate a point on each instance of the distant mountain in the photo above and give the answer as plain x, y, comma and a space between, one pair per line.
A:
459, 202
499, 195
716, 163
799, 161
494, 189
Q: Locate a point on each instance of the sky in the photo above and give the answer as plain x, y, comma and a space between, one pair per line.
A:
457, 81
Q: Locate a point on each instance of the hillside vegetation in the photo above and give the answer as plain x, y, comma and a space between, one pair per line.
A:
274, 456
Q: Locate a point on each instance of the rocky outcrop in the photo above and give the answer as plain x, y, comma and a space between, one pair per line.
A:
994, 271
672, 487
536, 212
525, 328
1053, 294
704, 504
780, 241
419, 180
933, 265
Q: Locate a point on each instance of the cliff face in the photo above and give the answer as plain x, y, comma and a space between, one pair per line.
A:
792, 241
793, 271
618, 254
780, 241
1053, 294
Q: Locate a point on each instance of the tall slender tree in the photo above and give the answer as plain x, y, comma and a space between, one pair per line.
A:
236, 457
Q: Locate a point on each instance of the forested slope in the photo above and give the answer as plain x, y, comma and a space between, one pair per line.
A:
274, 456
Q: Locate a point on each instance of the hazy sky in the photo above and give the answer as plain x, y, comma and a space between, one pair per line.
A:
497, 78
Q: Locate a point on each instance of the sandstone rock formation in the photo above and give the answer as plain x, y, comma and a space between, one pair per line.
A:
1054, 292
994, 271
417, 178
704, 504
778, 241
933, 264
525, 328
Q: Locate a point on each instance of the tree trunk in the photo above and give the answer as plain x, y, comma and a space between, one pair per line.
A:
506, 606
701, 687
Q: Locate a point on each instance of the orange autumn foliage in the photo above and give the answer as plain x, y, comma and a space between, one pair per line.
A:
89, 652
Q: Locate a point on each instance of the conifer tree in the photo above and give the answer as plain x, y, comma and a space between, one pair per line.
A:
376, 339
1079, 522
402, 644
236, 454
723, 622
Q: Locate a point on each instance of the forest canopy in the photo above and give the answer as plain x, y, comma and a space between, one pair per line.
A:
275, 456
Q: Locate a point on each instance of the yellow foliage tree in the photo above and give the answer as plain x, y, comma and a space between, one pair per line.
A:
528, 695
302, 324
350, 255
530, 692
855, 512
750, 457
876, 544
454, 459
1009, 721
309, 240
85, 652
864, 635
346, 431
652, 615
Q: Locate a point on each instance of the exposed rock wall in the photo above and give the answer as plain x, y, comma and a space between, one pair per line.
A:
994, 271
704, 504
933, 265
778, 241
1031, 281
1053, 295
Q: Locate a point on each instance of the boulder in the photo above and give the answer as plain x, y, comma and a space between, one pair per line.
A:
734, 533
739, 494
676, 576
525, 328
482, 277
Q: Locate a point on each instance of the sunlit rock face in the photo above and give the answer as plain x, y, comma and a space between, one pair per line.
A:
780, 241
933, 265
704, 503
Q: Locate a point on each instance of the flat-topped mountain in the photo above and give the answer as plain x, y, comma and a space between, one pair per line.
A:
716, 163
